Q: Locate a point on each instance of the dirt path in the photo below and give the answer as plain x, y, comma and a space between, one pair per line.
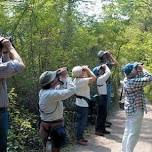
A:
112, 143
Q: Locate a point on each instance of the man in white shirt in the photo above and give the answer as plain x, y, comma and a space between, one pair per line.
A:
55, 87
104, 74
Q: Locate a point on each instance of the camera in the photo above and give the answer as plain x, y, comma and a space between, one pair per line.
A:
101, 70
1, 45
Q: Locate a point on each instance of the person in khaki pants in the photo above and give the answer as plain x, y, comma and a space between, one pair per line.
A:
135, 104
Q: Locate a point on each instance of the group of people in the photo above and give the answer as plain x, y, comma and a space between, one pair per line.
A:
57, 86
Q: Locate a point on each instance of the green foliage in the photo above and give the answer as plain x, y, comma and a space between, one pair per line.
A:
23, 133
50, 34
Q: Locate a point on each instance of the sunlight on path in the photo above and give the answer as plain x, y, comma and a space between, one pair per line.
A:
112, 143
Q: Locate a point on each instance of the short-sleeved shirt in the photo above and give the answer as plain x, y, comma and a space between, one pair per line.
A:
82, 89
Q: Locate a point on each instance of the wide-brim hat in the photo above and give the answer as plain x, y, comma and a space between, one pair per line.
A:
101, 53
47, 77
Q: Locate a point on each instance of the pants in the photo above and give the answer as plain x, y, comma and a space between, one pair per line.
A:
101, 113
132, 131
4, 124
109, 94
81, 121
55, 130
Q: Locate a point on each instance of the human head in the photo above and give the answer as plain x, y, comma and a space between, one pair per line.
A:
46, 78
132, 69
77, 72
103, 56
50, 79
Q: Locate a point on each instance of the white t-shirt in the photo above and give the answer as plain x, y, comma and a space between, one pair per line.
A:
82, 89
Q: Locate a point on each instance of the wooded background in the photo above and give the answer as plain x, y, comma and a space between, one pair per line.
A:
49, 34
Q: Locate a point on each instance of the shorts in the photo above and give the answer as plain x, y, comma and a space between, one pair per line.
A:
57, 134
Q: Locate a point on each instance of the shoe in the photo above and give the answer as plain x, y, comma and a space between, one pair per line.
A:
99, 133
85, 140
109, 123
105, 132
82, 142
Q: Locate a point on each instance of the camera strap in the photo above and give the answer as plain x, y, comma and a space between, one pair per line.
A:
51, 111
82, 97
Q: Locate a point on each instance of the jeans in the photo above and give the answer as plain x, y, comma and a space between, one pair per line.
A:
132, 131
109, 94
81, 121
101, 113
3, 130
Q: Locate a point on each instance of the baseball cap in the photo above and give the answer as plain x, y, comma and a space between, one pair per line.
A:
47, 77
130, 66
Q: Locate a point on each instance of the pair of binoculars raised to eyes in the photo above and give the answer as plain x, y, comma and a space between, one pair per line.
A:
9, 38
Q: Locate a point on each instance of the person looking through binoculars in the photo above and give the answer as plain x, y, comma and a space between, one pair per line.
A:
10, 64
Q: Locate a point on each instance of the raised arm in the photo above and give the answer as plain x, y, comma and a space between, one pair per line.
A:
103, 78
141, 81
62, 94
114, 61
90, 74
13, 62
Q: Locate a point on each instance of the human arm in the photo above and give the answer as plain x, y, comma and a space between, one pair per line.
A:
63, 93
113, 60
13, 62
103, 78
141, 81
13, 54
90, 74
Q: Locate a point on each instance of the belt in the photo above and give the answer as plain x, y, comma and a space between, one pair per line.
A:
52, 125
55, 121
4, 109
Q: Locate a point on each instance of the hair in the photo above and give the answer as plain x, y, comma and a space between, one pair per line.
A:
77, 71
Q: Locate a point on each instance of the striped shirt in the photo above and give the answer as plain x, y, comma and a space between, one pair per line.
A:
7, 69
134, 93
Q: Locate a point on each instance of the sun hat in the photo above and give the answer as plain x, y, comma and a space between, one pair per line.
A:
101, 53
47, 77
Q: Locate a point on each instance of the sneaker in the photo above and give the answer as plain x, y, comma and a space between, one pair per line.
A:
105, 132
99, 133
85, 140
82, 142
109, 123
